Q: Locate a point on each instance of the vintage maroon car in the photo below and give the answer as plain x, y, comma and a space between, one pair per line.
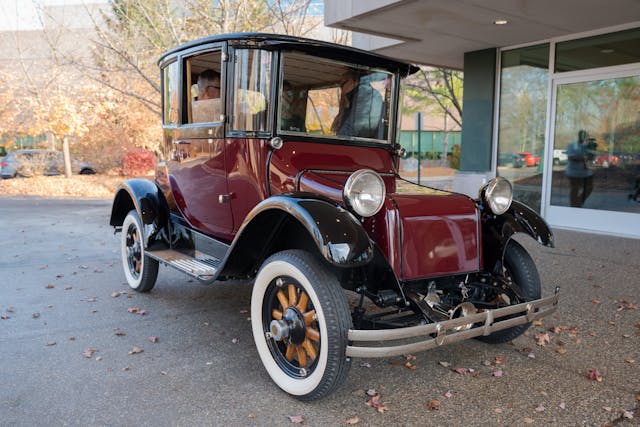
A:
280, 165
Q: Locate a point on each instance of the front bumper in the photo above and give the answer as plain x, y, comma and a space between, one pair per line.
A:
445, 332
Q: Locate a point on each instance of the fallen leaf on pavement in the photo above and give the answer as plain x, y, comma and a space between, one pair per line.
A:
561, 350
375, 402
540, 408
410, 366
352, 421
528, 420
88, 353
607, 408
627, 415
51, 343
434, 405
119, 332
498, 373
296, 419
562, 405
542, 338
448, 394
49, 286
445, 364
35, 315
136, 350
154, 339
116, 294
595, 375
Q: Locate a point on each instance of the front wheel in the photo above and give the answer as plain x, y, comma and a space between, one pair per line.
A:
300, 320
140, 270
522, 271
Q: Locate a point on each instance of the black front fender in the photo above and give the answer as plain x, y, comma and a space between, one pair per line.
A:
145, 197
286, 221
498, 229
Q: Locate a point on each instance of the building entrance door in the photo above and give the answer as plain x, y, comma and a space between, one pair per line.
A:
594, 153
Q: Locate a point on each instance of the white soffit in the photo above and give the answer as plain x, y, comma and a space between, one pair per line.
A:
439, 32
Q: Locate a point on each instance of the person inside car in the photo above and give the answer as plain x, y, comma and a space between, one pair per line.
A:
207, 107
361, 108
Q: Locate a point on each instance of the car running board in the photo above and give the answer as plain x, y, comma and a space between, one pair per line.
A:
201, 266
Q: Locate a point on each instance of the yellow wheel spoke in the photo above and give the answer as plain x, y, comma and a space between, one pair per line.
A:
276, 314
309, 317
283, 299
302, 357
313, 335
290, 352
293, 298
310, 349
304, 300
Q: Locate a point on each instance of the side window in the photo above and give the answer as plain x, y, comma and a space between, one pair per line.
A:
251, 90
204, 88
170, 77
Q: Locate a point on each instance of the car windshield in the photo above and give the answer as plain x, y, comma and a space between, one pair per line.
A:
324, 98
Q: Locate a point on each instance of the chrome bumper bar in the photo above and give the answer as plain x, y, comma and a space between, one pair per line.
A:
444, 332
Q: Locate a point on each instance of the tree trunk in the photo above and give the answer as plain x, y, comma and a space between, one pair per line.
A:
67, 157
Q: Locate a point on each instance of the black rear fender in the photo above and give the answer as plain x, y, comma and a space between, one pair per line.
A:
145, 197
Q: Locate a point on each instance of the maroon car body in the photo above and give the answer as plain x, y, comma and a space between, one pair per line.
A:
291, 180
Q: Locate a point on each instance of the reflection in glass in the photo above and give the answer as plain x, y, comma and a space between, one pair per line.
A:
523, 101
597, 141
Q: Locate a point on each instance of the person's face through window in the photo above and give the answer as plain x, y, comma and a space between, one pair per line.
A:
210, 89
348, 83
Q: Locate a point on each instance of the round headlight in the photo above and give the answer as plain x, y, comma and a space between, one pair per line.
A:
498, 194
364, 192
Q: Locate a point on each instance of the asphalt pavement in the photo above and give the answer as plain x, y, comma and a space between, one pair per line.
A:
78, 348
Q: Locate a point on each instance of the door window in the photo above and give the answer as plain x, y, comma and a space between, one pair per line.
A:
203, 81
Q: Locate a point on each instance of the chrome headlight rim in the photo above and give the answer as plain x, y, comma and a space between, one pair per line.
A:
350, 195
498, 195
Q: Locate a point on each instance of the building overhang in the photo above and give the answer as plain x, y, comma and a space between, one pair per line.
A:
439, 32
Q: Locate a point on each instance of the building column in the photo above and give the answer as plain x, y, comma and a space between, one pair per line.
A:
477, 121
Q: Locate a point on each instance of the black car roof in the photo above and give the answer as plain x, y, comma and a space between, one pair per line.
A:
284, 42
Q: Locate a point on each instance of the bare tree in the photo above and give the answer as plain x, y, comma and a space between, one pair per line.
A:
436, 89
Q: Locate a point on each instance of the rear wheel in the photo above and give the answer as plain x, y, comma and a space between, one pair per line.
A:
522, 271
140, 270
300, 319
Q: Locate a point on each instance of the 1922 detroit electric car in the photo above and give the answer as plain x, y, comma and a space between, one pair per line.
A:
280, 165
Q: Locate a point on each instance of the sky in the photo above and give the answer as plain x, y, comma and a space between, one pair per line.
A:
23, 15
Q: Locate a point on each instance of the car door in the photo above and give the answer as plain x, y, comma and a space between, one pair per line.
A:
196, 158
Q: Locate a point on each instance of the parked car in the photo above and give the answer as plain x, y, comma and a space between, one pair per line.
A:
560, 157
285, 184
510, 159
605, 160
529, 159
31, 162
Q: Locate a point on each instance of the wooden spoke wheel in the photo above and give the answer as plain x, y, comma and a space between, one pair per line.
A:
300, 319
